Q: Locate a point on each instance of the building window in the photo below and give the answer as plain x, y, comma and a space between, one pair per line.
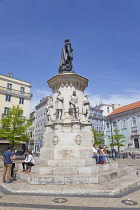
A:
22, 90
21, 115
21, 100
8, 98
123, 124
134, 122
114, 124
6, 111
108, 109
9, 86
107, 126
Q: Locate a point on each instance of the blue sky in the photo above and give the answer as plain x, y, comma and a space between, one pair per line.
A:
105, 37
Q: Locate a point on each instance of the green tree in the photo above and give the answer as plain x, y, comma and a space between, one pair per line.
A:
117, 139
98, 137
14, 126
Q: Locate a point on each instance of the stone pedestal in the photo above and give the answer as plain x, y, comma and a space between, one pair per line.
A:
67, 140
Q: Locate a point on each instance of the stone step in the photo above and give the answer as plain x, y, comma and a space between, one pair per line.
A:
97, 178
63, 163
91, 169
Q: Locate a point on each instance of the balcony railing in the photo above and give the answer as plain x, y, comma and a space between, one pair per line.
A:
4, 115
15, 92
134, 131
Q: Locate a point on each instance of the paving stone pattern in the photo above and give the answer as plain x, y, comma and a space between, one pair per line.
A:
20, 195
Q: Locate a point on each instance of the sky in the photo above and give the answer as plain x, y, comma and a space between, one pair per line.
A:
104, 34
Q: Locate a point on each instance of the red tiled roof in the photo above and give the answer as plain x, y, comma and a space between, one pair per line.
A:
126, 108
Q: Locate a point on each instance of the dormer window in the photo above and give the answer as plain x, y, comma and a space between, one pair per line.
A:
9, 86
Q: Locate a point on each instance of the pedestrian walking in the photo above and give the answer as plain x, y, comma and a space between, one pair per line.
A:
7, 158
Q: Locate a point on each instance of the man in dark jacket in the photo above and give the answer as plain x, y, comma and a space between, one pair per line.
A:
7, 158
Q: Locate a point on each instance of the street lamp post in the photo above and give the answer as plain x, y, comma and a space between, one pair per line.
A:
112, 139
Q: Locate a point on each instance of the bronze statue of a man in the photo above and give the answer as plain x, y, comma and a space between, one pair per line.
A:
66, 57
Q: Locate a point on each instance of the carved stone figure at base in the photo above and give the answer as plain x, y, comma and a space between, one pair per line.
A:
74, 107
49, 109
86, 108
59, 106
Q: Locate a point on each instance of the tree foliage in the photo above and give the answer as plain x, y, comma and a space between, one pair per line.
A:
14, 126
117, 139
98, 137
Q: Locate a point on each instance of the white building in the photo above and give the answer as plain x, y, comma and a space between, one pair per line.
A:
127, 120
40, 120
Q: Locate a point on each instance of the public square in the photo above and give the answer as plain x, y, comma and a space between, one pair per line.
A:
70, 105
20, 195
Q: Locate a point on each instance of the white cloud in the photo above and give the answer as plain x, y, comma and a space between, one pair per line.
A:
122, 99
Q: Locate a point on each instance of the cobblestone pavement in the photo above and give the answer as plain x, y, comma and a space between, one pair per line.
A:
20, 195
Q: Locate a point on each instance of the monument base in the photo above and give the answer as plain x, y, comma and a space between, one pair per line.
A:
88, 175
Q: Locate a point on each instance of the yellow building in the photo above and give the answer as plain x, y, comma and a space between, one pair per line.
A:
14, 92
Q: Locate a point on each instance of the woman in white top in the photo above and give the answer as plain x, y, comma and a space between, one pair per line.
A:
29, 161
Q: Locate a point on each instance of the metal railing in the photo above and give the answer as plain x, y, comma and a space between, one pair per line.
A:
4, 115
9, 91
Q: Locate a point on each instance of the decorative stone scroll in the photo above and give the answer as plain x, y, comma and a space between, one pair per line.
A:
55, 140
78, 139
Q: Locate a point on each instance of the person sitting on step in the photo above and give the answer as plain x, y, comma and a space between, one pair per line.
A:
29, 161
95, 153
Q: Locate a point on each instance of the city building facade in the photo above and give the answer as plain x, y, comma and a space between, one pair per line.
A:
39, 124
96, 118
127, 120
98, 113
13, 92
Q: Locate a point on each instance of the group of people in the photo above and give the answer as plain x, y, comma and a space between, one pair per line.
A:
129, 154
100, 154
9, 158
9, 164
